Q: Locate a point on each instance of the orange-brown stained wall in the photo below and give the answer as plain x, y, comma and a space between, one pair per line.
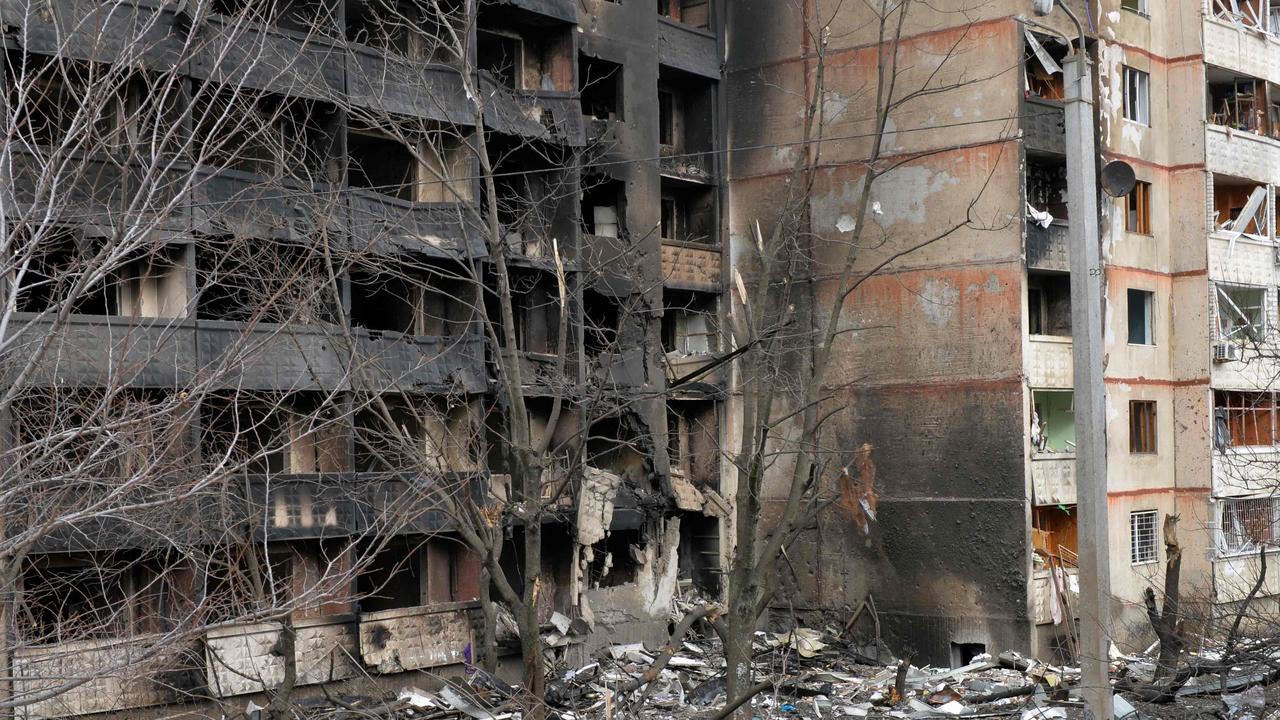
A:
932, 377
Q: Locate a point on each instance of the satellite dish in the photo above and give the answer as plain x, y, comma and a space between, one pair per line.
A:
1118, 178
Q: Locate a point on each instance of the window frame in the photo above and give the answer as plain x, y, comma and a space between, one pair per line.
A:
1137, 216
1147, 302
1148, 552
1137, 96
1144, 427
1231, 542
1237, 332
1248, 411
1141, 7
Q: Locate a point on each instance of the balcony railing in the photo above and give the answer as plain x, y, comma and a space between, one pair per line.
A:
1053, 478
1049, 363
691, 267
1043, 128
1048, 248
686, 165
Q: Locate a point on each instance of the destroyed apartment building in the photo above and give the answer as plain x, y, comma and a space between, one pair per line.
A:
334, 328
261, 359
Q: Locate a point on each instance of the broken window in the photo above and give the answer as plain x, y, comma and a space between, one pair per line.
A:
685, 117
1142, 426
1138, 206
603, 207
1238, 102
1240, 208
1049, 303
1053, 427
438, 172
1251, 14
1055, 530
1047, 185
1243, 419
242, 280
1142, 537
600, 87
501, 56
1141, 317
520, 57
1043, 68
1242, 313
1137, 98
1247, 524
56, 265
687, 214
689, 324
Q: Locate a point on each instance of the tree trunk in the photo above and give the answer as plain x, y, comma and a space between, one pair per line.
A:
531, 653
281, 700
1167, 622
737, 656
489, 633
8, 636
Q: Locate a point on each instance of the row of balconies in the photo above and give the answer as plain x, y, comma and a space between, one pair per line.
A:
237, 659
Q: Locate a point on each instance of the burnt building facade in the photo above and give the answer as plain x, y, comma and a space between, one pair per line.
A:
255, 322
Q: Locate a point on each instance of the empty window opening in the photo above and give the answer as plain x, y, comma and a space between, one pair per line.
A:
1142, 426
1138, 209
417, 31
615, 444
603, 207
247, 437
699, 562
1043, 66
1244, 419
1142, 537
1138, 6
154, 285
600, 317
523, 52
685, 117
693, 441
1053, 428
1141, 317
412, 303
616, 561
963, 653
268, 135
394, 578
381, 164
416, 434
1137, 100
243, 580
690, 12
1242, 313
1240, 208
689, 323
61, 603
1054, 530
1047, 185
687, 214
1240, 102
537, 313
1049, 304
600, 87
1247, 524
245, 279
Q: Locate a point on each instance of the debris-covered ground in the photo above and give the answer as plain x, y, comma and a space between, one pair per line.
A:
820, 675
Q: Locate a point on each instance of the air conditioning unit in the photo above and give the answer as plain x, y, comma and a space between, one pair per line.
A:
1226, 352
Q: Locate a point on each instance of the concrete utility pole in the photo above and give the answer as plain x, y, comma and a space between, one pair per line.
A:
1090, 397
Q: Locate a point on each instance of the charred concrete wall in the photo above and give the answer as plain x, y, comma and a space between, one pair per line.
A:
930, 374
